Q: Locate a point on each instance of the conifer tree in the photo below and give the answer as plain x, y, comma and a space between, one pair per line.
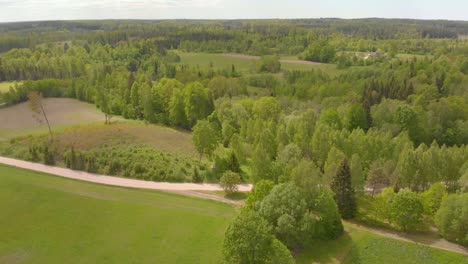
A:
344, 192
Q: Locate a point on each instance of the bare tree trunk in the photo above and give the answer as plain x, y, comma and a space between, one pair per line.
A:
47, 120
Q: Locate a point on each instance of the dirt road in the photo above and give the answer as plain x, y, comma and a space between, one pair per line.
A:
427, 239
117, 181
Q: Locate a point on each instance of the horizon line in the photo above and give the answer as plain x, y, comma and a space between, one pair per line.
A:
231, 19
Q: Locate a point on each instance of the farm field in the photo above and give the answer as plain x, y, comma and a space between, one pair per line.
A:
51, 219
19, 120
246, 63
81, 124
47, 219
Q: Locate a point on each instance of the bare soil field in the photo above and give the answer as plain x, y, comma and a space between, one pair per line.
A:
19, 119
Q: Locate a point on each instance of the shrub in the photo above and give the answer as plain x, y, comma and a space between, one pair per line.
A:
230, 181
196, 177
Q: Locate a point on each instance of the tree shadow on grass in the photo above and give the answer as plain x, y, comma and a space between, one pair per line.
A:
328, 251
236, 196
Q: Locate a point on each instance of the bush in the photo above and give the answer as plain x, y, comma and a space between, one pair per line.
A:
230, 181
196, 177
269, 64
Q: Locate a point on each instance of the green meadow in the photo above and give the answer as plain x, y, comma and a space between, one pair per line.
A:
48, 219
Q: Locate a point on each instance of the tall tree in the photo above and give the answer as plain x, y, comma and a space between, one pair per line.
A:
344, 192
36, 105
249, 239
357, 118
205, 138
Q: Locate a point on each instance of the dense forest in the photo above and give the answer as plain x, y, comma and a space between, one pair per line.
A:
383, 141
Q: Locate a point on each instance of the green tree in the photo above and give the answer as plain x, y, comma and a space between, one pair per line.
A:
205, 138
197, 102
260, 191
267, 108
433, 197
331, 118
357, 173
162, 93
452, 218
382, 204
249, 239
285, 208
269, 64
135, 99
344, 192
147, 103
230, 182
177, 115
357, 118
406, 210
196, 177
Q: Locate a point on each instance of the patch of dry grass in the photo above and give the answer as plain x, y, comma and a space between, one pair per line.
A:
126, 133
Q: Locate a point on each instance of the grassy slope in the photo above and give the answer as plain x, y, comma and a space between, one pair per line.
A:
242, 64
360, 246
47, 219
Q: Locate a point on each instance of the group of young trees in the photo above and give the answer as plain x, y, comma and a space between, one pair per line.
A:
279, 219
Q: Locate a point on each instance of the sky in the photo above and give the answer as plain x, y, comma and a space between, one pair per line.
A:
32, 10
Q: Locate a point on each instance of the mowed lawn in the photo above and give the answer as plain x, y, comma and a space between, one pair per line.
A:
361, 246
47, 219
245, 63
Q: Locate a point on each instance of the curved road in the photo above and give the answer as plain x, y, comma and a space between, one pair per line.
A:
117, 181
192, 189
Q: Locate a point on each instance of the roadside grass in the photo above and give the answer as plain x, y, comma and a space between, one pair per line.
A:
47, 219
5, 86
236, 196
361, 246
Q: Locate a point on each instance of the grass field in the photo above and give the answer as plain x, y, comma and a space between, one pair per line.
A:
244, 64
46, 219
360, 246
